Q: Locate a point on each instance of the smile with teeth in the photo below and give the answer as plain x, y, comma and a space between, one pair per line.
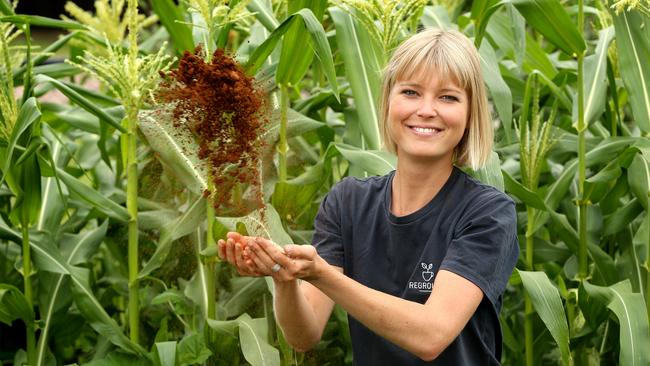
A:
426, 131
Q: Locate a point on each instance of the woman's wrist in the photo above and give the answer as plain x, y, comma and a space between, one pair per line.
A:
285, 284
320, 269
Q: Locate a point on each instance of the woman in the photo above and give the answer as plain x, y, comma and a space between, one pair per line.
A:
420, 257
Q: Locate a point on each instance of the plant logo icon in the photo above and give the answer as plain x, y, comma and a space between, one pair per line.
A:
427, 274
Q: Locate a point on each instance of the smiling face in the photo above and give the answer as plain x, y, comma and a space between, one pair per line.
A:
427, 117
442, 68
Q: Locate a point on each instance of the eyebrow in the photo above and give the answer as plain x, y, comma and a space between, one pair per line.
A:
444, 90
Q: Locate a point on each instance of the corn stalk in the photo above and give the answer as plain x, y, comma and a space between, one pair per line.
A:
582, 202
535, 142
131, 77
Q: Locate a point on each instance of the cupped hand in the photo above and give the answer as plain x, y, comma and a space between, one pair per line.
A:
232, 250
296, 261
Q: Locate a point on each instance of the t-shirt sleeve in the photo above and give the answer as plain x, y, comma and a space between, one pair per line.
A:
328, 238
485, 246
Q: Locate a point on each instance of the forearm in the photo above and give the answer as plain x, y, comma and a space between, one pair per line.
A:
296, 316
410, 325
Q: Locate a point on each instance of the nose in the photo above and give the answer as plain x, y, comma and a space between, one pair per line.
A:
427, 109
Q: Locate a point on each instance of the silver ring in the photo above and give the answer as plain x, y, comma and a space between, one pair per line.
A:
276, 268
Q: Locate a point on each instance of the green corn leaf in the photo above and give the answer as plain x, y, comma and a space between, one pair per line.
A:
621, 218
640, 240
75, 117
436, 16
595, 85
45, 54
53, 200
297, 124
166, 353
633, 45
95, 314
8, 233
93, 197
29, 201
171, 18
176, 147
263, 13
14, 305
156, 219
525, 195
225, 327
551, 19
629, 308
110, 105
76, 249
490, 173
604, 265
375, 162
318, 38
363, 64
482, 11
41, 21
631, 312
192, 350
79, 99
296, 55
499, 90
254, 344
599, 154
54, 70
593, 302
183, 225
28, 115
548, 304
54, 300
321, 47
598, 184
5, 8
638, 177
518, 26
294, 197
245, 290
517, 43
48, 258
35, 144
79, 248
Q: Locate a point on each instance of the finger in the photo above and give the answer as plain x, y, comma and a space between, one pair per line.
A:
264, 259
258, 264
235, 236
274, 251
305, 252
239, 257
221, 245
229, 248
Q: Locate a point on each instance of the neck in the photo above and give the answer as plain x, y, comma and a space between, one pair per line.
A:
414, 185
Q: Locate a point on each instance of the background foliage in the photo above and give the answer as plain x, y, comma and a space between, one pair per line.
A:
107, 246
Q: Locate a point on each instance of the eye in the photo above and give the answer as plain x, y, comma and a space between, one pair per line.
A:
409, 92
450, 98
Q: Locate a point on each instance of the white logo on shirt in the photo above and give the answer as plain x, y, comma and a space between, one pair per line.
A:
427, 275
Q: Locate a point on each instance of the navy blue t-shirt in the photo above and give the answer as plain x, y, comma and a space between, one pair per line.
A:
468, 228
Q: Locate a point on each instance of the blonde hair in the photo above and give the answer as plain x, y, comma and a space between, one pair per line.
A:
452, 55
